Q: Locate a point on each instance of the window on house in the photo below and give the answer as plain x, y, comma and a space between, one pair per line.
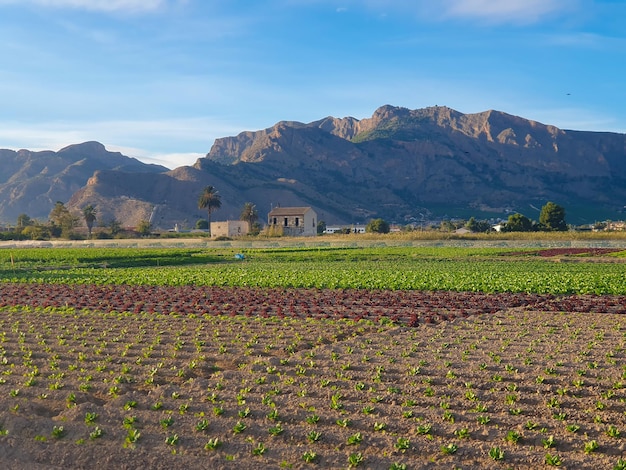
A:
313, 224
274, 221
297, 221
286, 221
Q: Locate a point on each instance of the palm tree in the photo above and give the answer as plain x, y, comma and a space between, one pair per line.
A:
209, 200
249, 214
89, 213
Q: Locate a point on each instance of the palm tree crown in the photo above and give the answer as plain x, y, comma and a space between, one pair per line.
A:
249, 214
209, 200
89, 213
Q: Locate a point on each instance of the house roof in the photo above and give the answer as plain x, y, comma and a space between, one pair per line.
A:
286, 211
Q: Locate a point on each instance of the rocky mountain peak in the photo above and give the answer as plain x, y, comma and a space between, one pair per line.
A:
399, 164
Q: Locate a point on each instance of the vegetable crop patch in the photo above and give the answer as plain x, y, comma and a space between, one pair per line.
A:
385, 358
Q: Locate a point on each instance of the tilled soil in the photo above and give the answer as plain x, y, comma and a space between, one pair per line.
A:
274, 378
409, 308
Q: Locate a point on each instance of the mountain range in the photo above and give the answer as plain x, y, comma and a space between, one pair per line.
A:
401, 165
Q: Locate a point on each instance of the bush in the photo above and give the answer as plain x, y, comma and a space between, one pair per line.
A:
377, 226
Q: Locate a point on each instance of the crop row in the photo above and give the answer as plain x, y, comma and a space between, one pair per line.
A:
434, 268
404, 307
457, 275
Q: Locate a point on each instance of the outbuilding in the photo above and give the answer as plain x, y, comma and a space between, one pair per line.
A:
229, 228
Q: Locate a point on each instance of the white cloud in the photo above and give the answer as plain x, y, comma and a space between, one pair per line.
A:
157, 141
169, 160
574, 118
491, 11
95, 5
515, 11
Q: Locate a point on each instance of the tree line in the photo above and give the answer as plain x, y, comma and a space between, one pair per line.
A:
62, 223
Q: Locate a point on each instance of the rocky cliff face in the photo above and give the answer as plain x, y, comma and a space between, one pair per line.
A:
400, 164
32, 182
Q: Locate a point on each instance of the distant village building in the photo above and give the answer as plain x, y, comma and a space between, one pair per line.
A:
293, 221
617, 226
229, 228
345, 229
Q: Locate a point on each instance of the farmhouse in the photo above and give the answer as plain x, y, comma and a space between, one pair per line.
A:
293, 221
229, 228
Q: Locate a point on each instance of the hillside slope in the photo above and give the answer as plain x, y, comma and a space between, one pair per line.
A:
32, 182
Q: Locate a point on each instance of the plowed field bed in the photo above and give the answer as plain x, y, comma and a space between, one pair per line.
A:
297, 378
408, 308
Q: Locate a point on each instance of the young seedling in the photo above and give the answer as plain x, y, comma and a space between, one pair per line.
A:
259, 449
309, 456
448, 416
166, 422
96, 433
513, 437
212, 444
335, 402
314, 436
496, 453
132, 437
572, 428
449, 449
356, 459
239, 427
591, 446
312, 419
620, 464
172, 440
402, 444
91, 417
424, 429
129, 405
554, 460
613, 431
530, 425
58, 432
548, 442
355, 439
480, 408
202, 425
276, 430
379, 426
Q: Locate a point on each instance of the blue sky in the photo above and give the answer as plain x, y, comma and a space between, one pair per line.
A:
161, 79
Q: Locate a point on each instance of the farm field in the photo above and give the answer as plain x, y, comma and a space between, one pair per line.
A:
379, 357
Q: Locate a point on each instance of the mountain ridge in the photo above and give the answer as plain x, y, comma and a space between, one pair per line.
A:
32, 181
399, 164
